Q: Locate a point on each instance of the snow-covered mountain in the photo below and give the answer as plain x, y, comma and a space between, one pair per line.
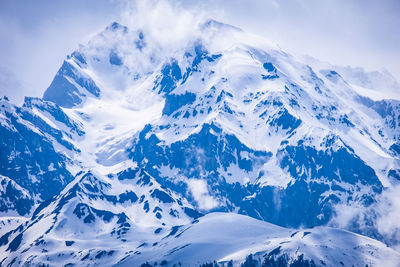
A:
36, 152
142, 152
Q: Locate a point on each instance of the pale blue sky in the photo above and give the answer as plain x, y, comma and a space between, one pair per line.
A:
37, 35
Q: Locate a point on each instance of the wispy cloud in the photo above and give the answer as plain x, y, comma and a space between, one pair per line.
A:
201, 195
168, 24
381, 219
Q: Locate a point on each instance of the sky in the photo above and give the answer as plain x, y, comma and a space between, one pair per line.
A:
36, 36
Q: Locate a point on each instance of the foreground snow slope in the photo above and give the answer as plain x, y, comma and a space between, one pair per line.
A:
225, 237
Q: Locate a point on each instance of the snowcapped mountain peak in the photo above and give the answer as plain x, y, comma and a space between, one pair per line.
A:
119, 58
122, 80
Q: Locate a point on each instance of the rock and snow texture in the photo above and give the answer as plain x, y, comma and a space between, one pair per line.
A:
135, 139
13, 198
37, 152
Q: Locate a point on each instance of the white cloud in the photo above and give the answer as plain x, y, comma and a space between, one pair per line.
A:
201, 195
167, 24
382, 216
388, 210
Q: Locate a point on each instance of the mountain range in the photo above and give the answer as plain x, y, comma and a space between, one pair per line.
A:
222, 151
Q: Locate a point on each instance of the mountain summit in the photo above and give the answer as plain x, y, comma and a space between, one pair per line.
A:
140, 151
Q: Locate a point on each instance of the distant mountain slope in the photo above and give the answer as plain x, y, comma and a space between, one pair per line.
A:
96, 217
36, 151
14, 198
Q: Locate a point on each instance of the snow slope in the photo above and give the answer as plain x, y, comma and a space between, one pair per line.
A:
228, 237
